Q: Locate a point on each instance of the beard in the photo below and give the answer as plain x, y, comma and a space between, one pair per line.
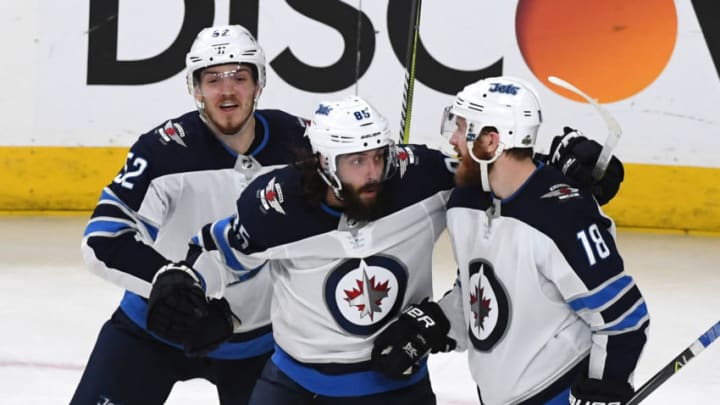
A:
230, 124
468, 171
363, 210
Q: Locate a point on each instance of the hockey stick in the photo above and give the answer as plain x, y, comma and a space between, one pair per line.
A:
676, 364
614, 128
410, 71
357, 48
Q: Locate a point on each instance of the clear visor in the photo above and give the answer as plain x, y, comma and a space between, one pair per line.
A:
448, 123
452, 123
390, 157
235, 75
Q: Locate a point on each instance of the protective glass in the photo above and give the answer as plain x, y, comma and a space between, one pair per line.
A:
235, 76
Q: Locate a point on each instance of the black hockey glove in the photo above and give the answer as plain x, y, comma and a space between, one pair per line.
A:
212, 330
420, 329
600, 392
177, 302
575, 155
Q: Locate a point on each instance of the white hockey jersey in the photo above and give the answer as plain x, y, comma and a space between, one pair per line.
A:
177, 178
336, 282
540, 288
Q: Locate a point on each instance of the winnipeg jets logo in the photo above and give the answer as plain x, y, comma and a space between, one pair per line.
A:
561, 192
504, 88
272, 197
368, 295
480, 306
404, 157
171, 132
362, 295
489, 305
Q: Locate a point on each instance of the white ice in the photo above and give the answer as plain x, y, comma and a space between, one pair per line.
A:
52, 309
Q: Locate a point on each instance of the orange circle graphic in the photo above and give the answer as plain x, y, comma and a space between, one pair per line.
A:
610, 49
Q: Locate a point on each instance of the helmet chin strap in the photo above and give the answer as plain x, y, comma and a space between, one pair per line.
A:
484, 163
329, 177
334, 184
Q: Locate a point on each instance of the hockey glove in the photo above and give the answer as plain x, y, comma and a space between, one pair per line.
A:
212, 330
575, 155
420, 329
600, 392
177, 302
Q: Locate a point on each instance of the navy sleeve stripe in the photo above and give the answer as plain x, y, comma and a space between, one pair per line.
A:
606, 294
112, 210
623, 351
620, 307
208, 242
632, 320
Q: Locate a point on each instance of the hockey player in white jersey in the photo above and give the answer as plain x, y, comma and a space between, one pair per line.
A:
542, 302
348, 235
179, 176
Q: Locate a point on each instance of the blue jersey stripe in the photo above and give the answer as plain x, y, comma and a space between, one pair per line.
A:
632, 319
152, 230
105, 226
218, 230
342, 385
602, 297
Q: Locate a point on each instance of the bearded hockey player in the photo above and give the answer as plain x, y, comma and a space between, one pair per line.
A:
542, 302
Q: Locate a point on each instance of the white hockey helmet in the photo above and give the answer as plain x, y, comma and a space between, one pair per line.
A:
509, 104
224, 44
350, 125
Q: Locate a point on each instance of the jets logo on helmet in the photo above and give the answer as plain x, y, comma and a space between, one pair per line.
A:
504, 88
323, 109
344, 127
508, 104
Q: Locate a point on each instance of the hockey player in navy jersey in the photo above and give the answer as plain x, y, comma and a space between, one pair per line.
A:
177, 177
542, 302
347, 236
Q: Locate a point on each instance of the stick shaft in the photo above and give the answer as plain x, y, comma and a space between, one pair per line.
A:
613, 127
676, 364
410, 58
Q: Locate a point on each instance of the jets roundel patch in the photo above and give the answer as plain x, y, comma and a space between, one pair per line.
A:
364, 294
489, 306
